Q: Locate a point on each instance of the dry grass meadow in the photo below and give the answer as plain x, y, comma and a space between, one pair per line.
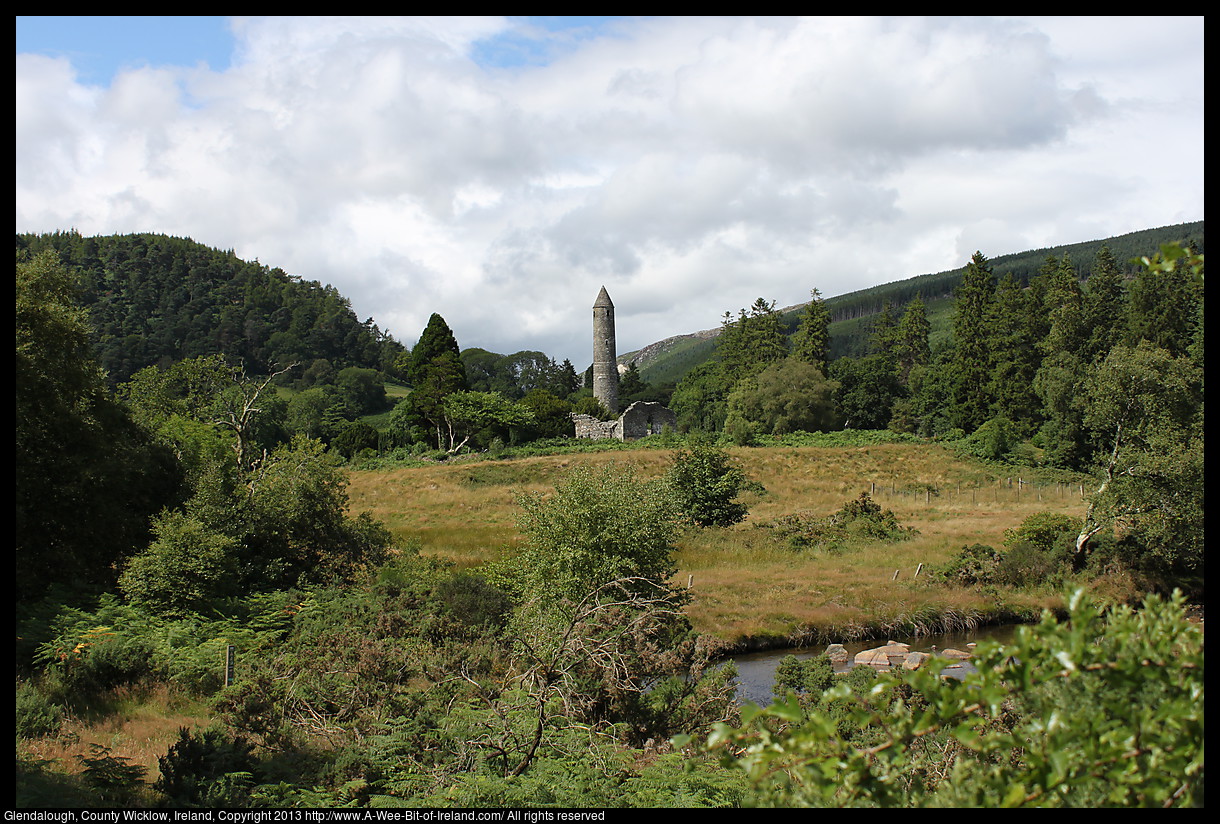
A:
746, 585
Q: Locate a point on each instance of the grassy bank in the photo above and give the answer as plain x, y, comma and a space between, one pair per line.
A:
748, 586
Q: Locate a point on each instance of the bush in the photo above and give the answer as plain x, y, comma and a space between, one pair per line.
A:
862, 518
992, 441
207, 770
707, 485
1038, 551
474, 602
813, 675
1103, 709
37, 715
974, 564
1042, 530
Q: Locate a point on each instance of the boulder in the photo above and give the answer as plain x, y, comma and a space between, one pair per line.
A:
837, 654
876, 658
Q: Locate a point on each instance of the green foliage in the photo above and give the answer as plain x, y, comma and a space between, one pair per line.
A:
37, 715
699, 399
971, 364
866, 390
156, 299
597, 527
1043, 531
361, 391
707, 484
474, 602
113, 777
87, 479
1146, 407
282, 524
812, 675
747, 344
858, 520
468, 414
786, 396
1105, 709
208, 769
811, 341
354, 438
973, 564
994, 440
550, 416
186, 566
1038, 551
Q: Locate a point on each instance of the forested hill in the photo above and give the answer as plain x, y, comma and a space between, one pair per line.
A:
1022, 266
852, 314
158, 299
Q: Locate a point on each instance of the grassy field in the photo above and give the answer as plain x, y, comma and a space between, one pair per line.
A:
747, 586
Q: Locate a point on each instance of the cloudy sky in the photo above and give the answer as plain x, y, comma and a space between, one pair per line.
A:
499, 171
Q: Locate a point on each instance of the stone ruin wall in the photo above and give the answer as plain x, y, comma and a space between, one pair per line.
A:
641, 419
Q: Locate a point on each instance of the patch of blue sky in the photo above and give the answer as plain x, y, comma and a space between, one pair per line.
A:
100, 47
538, 41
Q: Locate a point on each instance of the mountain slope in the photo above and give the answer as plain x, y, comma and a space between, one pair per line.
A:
666, 361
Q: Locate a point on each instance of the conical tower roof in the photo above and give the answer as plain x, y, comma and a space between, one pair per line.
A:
603, 300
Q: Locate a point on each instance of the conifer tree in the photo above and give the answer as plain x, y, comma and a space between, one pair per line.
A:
1104, 299
1015, 357
751, 342
1162, 307
811, 343
436, 371
912, 339
974, 303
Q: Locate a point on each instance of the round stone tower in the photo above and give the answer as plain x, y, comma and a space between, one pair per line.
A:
605, 359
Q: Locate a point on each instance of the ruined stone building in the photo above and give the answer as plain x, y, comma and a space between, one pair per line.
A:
641, 418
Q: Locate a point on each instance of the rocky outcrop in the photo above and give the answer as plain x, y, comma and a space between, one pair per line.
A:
894, 655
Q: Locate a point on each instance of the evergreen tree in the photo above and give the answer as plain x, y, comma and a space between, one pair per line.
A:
436, 341
811, 343
1104, 301
866, 390
436, 371
751, 342
912, 346
1014, 357
1162, 307
699, 399
884, 338
1060, 315
973, 313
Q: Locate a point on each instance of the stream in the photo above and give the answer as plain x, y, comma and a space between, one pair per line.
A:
756, 670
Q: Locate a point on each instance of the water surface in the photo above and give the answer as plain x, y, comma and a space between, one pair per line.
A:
756, 670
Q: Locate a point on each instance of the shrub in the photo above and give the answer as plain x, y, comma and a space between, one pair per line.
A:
473, 601
207, 770
707, 485
1042, 530
993, 441
813, 675
861, 518
37, 715
974, 564
1038, 551
864, 518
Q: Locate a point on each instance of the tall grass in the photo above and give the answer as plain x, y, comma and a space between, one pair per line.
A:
745, 582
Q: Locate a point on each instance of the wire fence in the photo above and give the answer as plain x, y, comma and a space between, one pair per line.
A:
1000, 490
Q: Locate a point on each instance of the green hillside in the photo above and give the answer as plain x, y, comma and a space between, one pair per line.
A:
852, 313
155, 299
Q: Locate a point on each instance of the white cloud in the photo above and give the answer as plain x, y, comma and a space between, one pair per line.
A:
690, 165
